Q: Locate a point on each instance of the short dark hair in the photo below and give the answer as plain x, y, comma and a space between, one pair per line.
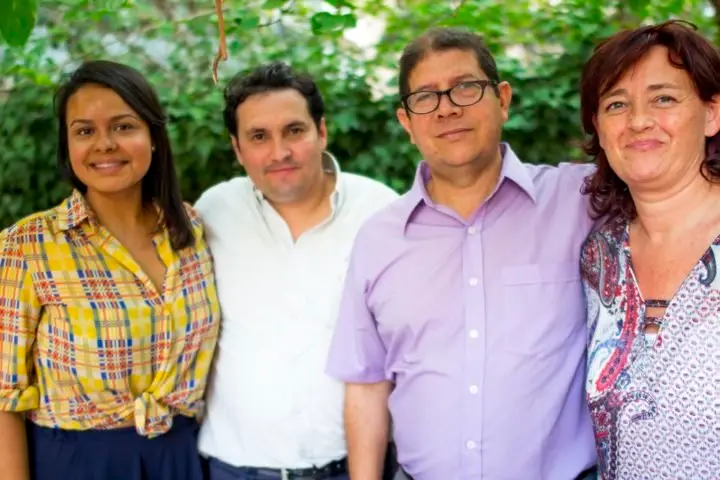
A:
270, 77
611, 59
160, 184
442, 39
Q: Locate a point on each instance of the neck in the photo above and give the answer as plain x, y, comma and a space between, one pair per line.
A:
307, 212
119, 212
464, 189
665, 215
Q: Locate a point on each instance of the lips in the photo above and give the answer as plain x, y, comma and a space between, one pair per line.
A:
455, 132
643, 145
108, 166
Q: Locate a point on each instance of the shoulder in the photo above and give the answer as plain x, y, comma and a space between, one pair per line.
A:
35, 228
222, 194
386, 223
365, 196
568, 177
603, 244
195, 221
361, 184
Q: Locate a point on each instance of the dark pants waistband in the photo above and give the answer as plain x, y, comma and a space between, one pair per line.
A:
115, 454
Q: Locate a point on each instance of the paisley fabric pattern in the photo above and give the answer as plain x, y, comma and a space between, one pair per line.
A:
655, 404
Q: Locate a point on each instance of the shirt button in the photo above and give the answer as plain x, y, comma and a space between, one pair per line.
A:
473, 389
473, 281
474, 334
471, 230
470, 445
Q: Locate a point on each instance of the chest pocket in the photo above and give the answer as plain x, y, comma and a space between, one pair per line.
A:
544, 307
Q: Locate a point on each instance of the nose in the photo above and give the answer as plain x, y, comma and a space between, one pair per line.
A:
280, 151
105, 142
446, 107
640, 119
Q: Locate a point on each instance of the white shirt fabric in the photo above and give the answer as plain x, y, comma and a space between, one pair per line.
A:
269, 402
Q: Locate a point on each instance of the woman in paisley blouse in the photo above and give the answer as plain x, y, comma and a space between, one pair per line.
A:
108, 310
650, 101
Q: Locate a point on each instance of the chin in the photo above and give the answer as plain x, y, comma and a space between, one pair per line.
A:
109, 190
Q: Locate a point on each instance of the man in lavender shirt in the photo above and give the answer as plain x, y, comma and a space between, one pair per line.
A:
462, 309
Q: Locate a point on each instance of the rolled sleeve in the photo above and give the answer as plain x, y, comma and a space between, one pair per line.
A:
19, 313
357, 353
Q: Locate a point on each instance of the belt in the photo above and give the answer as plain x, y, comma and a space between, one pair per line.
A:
332, 469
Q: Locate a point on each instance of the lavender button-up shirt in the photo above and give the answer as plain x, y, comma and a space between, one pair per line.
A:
481, 326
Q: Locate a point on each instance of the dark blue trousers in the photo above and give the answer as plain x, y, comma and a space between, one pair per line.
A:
119, 454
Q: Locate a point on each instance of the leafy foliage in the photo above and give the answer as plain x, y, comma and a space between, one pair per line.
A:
540, 46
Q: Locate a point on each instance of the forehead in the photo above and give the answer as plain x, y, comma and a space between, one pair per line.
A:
654, 68
96, 102
273, 109
440, 67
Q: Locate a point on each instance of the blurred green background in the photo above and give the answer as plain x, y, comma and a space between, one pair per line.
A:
350, 46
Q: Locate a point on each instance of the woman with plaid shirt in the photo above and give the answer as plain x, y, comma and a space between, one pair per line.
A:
108, 310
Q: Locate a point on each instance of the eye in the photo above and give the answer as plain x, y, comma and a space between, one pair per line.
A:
665, 99
124, 127
614, 106
423, 96
296, 130
83, 131
257, 137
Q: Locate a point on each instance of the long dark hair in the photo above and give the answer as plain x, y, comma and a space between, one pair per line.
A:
160, 184
687, 50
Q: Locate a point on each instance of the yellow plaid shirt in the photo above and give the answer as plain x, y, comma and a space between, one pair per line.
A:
86, 340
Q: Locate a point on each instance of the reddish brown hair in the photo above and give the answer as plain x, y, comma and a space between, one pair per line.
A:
687, 50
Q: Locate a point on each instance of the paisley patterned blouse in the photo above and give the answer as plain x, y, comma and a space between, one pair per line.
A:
654, 399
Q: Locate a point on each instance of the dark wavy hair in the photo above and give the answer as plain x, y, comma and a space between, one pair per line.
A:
160, 184
687, 50
270, 77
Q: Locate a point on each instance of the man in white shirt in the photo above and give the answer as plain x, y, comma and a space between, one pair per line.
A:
281, 238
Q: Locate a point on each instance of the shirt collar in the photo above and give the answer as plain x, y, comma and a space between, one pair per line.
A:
73, 211
329, 165
512, 169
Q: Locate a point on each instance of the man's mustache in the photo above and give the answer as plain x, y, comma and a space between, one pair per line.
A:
284, 165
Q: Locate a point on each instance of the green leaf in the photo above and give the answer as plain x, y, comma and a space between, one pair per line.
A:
272, 4
325, 22
17, 19
247, 22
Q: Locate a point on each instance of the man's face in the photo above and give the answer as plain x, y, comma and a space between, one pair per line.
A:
279, 145
453, 136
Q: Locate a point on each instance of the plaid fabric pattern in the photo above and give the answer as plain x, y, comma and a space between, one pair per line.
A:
87, 340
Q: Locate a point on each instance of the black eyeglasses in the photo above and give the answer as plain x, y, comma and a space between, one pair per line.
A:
463, 95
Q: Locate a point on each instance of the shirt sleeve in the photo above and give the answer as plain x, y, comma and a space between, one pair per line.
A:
357, 353
19, 315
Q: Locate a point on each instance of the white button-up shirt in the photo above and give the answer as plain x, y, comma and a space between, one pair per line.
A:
269, 402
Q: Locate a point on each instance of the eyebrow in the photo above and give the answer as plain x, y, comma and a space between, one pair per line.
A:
650, 88
112, 119
294, 123
466, 76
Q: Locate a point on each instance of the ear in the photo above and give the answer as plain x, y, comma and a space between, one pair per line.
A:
505, 98
712, 124
323, 133
404, 119
236, 149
